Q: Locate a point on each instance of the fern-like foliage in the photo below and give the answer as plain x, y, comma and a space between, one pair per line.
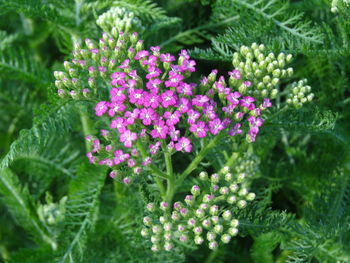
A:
20, 203
21, 65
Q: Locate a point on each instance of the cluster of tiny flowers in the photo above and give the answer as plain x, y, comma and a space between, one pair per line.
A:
336, 4
204, 216
300, 93
121, 19
264, 70
151, 104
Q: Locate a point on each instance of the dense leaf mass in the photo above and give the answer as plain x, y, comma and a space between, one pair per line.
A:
283, 198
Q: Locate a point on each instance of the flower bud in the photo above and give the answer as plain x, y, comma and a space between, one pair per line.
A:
164, 206
144, 232
199, 213
250, 197
195, 190
150, 207
203, 176
168, 246
224, 190
215, 178
243, 192
183, 238
234, 223
175, 216
167, 226
162, 219
215, 219
233, 231
206, 223
147, 221
241, 203
218, 229
227, 215
191, 222
207, 198
211, 236
198, 230
213, 245
214, 210
228, 177
156, 229
181, 228
155, 247
198, 240
189, 199
232, 199
226, 238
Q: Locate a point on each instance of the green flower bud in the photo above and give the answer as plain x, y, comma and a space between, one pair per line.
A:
233, 231
213, 245
234, 223
241, 203
231, 199
227, 215
144, 232
226, 238
211, 236
198, 240
250, 197
218, 229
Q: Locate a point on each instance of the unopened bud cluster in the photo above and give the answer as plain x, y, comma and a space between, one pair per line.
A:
121, 19
299, 94
203, 217
52, 213
264, 70
338, 4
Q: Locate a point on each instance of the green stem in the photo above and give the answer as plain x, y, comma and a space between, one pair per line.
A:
193, 165
171, 178
87, 130
159, 174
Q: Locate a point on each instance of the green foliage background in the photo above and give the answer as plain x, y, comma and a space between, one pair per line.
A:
302, 213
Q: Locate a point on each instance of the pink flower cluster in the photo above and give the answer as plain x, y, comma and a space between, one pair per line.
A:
151, 102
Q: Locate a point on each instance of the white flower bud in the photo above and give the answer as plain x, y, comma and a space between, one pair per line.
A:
233, 231
225, 238
215, 178
203, 176
191, 222
168, 246
214, 210
224, 190
250, 197
198, 230
213, 245
156, 230
206, 223
198, 240
215, 219
144, 232
234, 223
211, 236
232, 199
227, 215
181, 228
195, 190
147, 221
241, 203
167, 226
218, 229
199, 213
150, 207
243, 192
228, 177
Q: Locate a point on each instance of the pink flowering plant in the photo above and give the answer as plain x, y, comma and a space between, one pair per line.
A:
150, 109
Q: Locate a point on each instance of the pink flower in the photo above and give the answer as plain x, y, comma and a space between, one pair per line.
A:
132, 116
183, 105
172, 118
200, 100
216, 126
118, 78
235, 74
115, 108
119, 124
174, 79
255, 121
136, 96
235, 130
183, 53
117, 95
151, 100
160, 130
185, 89
184, 144
247, 102
154, 148
199, 129
147, 115
173, 133
101, 108
167, 57
233, 97
127, 137
266, 103
153, 85
125, 64
189, 65
141, 54
192, 116
168, 98
153, 72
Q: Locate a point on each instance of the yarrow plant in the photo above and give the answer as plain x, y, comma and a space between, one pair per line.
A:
151, 109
